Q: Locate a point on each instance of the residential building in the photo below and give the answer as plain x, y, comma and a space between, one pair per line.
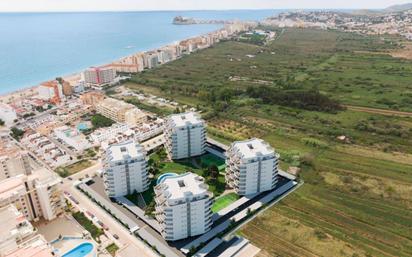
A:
104, 134
135, 117
34, 247
183, 206
51, 91
92, 98
125, 169
7, 114
185, 135
67, 88
114, 109
72, 137
15, 229
251, 166
99, 75
36, 196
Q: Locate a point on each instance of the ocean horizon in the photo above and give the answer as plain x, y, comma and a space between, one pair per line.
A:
37, 47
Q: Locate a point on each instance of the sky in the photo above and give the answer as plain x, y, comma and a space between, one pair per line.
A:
132, 5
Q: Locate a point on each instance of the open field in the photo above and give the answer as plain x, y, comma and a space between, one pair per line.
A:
74, 168
357, 199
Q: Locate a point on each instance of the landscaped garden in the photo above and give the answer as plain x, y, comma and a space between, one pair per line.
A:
208, 166
95, 232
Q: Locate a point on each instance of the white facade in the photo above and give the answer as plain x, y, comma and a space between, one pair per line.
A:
125, 169
7, 114
185, 135
183, 206
251, 167
50, 90
72, 138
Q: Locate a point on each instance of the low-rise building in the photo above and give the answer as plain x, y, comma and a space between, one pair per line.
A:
114, 109
72, 137
34, 247
125, 169
251, 167
14, 230
7, 114
185, 135
183, 206
92, 98
135, 117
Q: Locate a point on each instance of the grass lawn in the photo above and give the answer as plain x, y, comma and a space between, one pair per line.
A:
88, 225
73, 168
210, 159
224, 201
112, 248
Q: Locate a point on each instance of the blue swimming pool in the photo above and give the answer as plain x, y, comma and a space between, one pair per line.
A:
81, 250
164, 176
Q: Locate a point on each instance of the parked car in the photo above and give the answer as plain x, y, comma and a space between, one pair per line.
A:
116, 236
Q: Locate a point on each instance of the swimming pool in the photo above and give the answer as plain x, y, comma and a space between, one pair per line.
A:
81, 250
164, 176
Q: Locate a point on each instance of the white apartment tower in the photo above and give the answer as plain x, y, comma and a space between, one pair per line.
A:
251, 167
185, 135
183, 206
125, 169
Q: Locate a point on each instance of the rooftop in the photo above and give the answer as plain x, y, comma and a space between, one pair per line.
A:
253, 147
179, 187
184, 119
130, 149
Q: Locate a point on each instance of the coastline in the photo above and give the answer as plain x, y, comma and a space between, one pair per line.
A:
31, 90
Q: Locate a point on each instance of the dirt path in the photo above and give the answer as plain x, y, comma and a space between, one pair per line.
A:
379, 111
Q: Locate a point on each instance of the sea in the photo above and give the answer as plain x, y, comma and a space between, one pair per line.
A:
36, 47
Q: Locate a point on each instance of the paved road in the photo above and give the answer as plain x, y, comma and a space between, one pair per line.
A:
85, 204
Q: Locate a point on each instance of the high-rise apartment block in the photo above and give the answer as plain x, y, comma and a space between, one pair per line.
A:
125, 169
185, 135
183, 206
251, 166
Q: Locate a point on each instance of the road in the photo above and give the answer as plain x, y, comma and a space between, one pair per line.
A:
85, 204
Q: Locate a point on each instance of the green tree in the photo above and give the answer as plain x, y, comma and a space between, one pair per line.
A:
2, 122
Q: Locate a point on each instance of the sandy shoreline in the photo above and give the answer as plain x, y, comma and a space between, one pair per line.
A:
73, 77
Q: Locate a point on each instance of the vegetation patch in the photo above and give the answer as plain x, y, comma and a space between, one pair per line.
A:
224, 201
95, 232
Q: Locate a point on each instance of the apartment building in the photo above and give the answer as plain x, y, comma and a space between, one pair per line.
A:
183, 206
251, 166
51, 91
15, 229
104, 134
7, 114
92, 98
72, 137
185, 135
125, 169
36, 246
114, 109
36, 195
99, 75
135, 117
